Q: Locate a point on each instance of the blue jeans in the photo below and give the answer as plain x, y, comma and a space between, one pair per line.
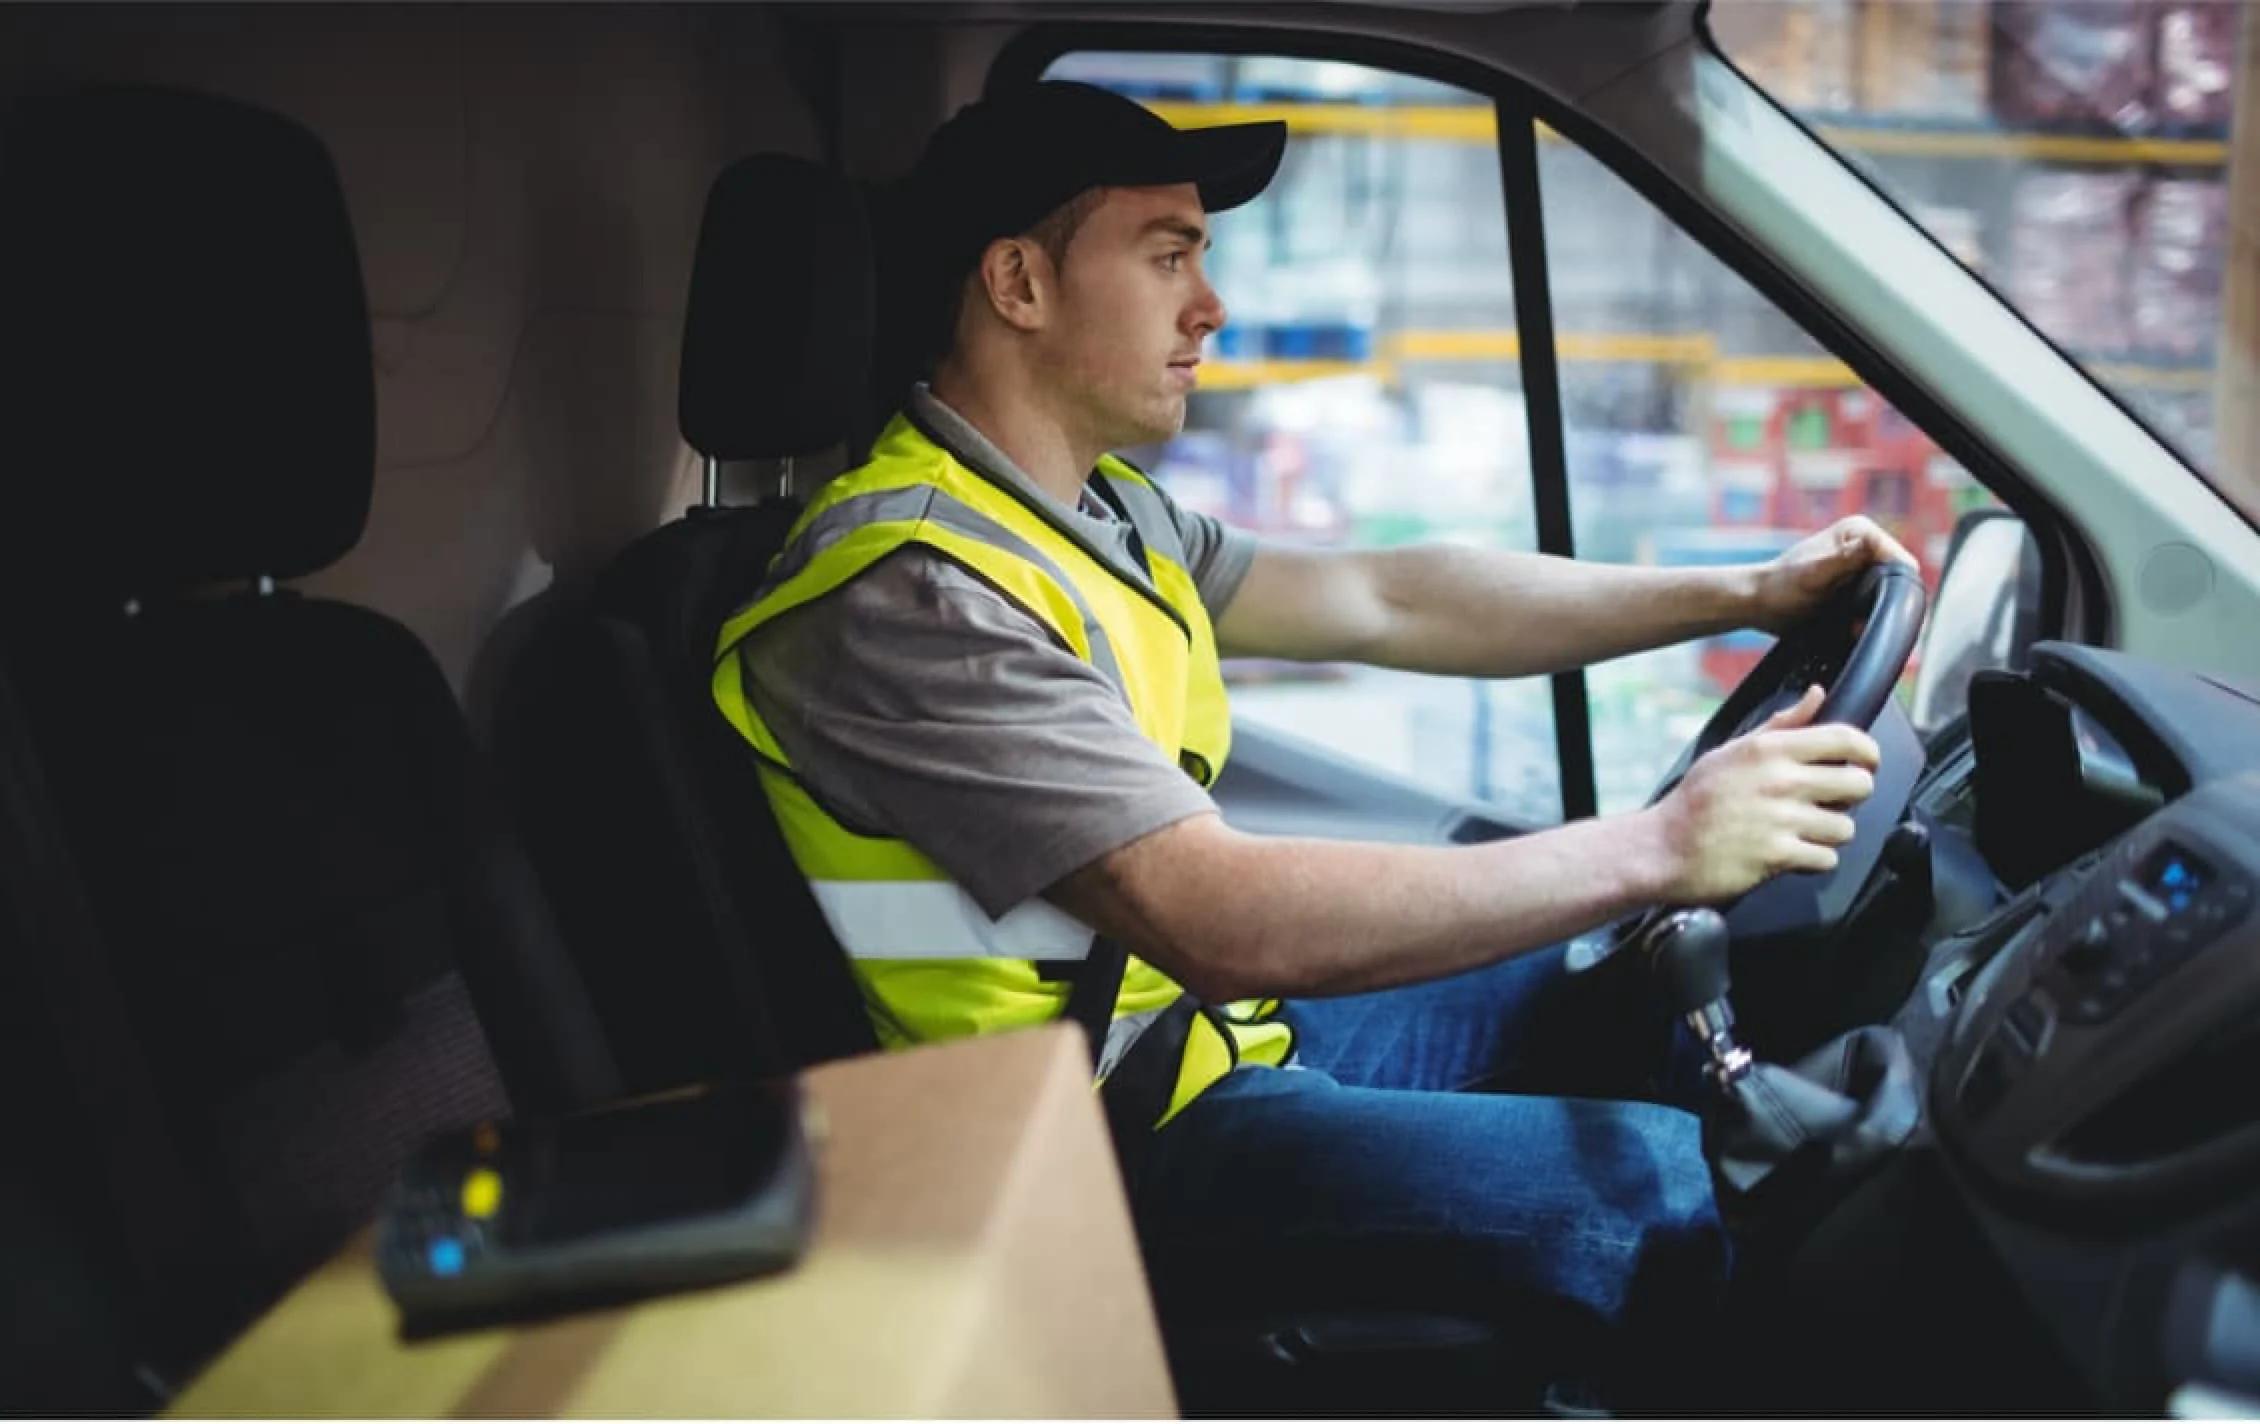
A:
1498, 1144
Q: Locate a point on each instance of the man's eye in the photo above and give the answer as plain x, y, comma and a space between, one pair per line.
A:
1172, 261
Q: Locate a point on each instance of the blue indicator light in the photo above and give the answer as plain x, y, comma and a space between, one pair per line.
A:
2175, 874
446, 1257
2180, 902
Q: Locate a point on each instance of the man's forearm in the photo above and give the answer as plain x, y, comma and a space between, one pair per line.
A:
1481, 613
1255, 916
1230, 915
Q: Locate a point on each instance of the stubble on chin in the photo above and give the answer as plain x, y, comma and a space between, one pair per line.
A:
1156, 420
1165, 422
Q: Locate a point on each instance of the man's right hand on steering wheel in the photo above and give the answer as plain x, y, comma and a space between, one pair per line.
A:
1766, 802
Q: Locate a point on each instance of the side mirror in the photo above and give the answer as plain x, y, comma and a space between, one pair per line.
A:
1985, 615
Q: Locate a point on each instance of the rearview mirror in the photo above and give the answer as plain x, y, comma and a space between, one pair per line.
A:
1985, 614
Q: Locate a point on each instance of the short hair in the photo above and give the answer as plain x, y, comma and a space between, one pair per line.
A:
1057, 228
1053, 232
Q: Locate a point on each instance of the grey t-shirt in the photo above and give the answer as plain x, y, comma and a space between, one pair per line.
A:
918, 702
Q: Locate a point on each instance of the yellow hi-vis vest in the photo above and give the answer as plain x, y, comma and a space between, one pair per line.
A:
933, 965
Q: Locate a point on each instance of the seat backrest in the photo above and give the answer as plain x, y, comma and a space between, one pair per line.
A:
322, 941
704, 950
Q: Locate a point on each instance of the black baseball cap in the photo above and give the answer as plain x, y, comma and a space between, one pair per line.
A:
1001, 163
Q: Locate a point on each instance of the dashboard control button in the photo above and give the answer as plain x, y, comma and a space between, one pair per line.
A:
2144, 902
445, 1257
2089, 948
482, 1193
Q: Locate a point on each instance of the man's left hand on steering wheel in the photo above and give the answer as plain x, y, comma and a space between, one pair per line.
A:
1800, 579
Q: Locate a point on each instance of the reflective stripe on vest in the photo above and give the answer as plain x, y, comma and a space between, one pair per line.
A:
931, 963
925, 505
934, 919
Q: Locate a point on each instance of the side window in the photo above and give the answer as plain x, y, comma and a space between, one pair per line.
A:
1704, 426
1366, 389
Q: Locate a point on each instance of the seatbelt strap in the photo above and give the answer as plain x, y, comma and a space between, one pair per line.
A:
161, 1209
1096, 981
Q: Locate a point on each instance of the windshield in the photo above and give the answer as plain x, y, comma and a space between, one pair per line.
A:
2073, 153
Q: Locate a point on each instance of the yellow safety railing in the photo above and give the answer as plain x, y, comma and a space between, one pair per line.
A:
1696, 351
1478, 123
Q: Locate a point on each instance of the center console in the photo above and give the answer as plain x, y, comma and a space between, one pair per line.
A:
2075, 1226
2096, 1099
2111, 1052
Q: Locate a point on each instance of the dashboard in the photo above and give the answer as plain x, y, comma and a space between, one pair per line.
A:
2091, 1035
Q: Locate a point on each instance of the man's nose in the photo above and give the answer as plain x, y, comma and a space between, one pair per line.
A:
1206, 315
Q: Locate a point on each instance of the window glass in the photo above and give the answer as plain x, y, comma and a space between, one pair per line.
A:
1702, 427
2073, 154
1366, 390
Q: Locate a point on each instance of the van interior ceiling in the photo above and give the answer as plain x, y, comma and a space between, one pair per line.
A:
525, 187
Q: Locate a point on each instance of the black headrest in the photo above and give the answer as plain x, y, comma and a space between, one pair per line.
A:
186, 391
777, 339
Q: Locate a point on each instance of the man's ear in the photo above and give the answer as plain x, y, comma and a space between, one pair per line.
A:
1016, 277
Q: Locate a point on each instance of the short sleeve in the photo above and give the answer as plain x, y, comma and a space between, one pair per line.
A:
918, 702
1216, 554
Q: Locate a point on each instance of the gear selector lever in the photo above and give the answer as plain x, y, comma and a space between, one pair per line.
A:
1854, 1098
1687, 951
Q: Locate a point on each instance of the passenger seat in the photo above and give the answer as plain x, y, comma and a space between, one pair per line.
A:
260, 927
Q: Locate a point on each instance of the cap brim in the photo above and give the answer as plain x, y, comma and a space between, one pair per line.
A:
1233, 162
1229, 163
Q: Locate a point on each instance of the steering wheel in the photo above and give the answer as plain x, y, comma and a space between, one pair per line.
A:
1854, 646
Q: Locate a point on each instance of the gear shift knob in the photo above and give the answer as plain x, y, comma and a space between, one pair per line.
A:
1687, 951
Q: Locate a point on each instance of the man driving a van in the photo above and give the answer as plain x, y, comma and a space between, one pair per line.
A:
983, 682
